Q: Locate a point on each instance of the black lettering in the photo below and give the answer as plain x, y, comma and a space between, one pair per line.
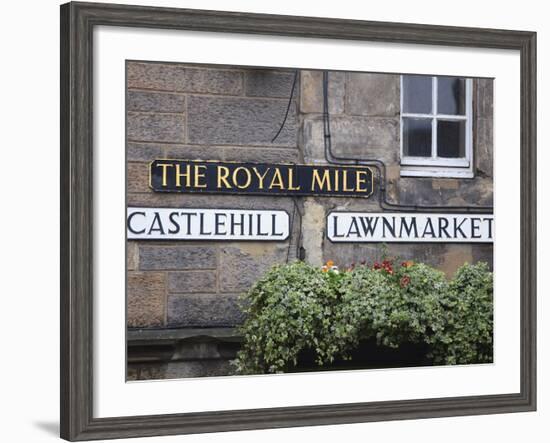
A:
408, 228
201, 225
475, 226
356, 230
234, 224
158, 221
273, 223
335, 218
259, 219
431, 226
489, 221
129, 223
386, 224
458, 228
368, 226
443, 225
174, 223
188, 215
218, 223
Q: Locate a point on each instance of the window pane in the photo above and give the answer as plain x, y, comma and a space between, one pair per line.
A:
417, 94
417, 137
451, 95
451, 138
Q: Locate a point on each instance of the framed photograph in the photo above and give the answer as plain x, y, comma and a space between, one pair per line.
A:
273, 221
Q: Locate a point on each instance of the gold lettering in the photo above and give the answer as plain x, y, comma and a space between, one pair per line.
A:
198, 176
164, 167
345, 179
359, 181
291, 186
320, 182
186, 175
236, 176
223, 177
336, 180
260, 177
277, 175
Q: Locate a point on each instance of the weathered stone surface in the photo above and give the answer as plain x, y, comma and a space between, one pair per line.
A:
240, 121
312, 237
176, 77
357, 137
176, 257
483, 252
484, 97
176, 200
421, 191
194, 152
484, 147
311, 92
132, 255
373, 94
241, 265
198, 348
454, 257
262, 155
143, 152
269, 83
156, 127
146, 293
137, 177
206, 368
155, 101
192, 281
199, 310
147, 371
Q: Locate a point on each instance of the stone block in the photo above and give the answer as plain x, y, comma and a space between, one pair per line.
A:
132, 255
137, 177
484, 97
269, 83
143, 152
204, 310
145, 294
208, 368
241, 265
194, 152
155, 127
176, 200
176, 257
311, 92
181, 78
483, 252
373, 94
262, 155
192, 281
240, 121
155, 102
356, 137
483, 147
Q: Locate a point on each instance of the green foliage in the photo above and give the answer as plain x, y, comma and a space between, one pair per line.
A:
297, 307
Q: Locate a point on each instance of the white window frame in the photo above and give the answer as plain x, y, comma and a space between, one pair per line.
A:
435, 166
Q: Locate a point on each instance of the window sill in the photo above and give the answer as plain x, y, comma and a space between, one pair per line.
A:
408, 171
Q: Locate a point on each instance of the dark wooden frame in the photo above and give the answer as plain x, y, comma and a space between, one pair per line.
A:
77, 23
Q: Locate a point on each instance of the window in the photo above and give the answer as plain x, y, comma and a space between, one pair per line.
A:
436, 126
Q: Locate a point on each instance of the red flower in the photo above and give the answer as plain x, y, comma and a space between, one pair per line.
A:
405, 280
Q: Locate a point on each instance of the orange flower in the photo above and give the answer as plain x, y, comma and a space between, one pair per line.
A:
324, 269
407, 264
330, 263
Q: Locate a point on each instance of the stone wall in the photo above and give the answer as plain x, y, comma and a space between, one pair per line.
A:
181, 111
365, 124
189, 290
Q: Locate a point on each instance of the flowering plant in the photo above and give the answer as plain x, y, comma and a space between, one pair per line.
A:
297, 307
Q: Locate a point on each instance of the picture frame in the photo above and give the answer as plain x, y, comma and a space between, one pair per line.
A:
78, 21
